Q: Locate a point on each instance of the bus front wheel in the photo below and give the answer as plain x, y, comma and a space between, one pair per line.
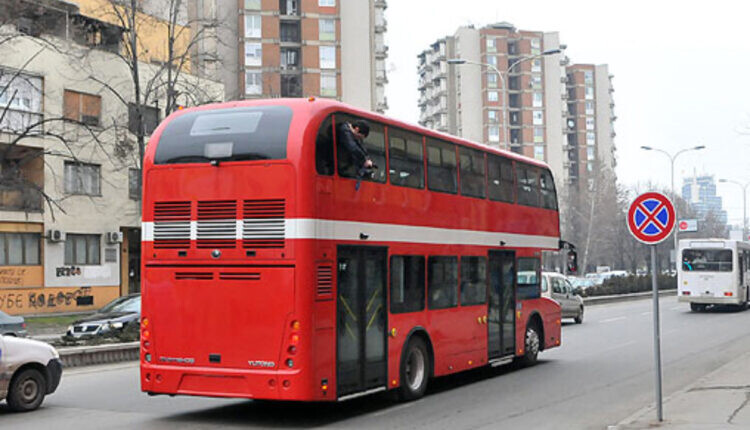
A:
415, 370
532, 345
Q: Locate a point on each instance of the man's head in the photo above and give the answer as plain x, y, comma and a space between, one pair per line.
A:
361, 127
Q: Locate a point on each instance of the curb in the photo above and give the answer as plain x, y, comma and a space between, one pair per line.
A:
99, 354
598, 300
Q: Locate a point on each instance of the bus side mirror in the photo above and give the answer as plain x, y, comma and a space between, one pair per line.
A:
572, 262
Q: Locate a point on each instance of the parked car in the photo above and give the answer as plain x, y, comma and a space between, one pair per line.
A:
558, 288
12, 326
29, 370
114, 316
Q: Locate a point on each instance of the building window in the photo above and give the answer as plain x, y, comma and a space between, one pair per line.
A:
491, 45
588, 77
492, 116
536, 65
134, 184
491, 80
327, 3
538, 117
290, 59
589, 93
289, 31
253, 54
252, 4
19, 249
491, 59
590, 138
538, 135
407, 283
150, 116
289, 7
590, 167
539, 152
589, 108
494, 133
589, 123
538, 100
536, 82
492, 96
327, 57
82, 249
536, 46
442, 282
21, 102
253, 82
328, 84
291, 86
590, 153
84, 108
327, 29
252, 25
82, 178
473, 281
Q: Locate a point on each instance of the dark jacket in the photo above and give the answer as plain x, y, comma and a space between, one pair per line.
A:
346, 139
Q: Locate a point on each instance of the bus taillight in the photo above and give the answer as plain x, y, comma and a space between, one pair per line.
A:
728, 294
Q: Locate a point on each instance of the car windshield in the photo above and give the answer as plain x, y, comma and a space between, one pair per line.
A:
707, 260
123, 304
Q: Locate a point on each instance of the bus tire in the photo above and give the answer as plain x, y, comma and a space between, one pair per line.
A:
415, 370
26, 391
697, 307
532, 345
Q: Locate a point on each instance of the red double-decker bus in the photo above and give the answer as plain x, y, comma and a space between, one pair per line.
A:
274, 270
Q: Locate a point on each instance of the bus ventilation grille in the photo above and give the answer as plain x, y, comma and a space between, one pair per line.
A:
325, 282
217, 224
193, 276
239, 276
263, 223
172, 225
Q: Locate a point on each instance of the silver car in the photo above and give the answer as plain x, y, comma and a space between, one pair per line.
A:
12, 326
558, 288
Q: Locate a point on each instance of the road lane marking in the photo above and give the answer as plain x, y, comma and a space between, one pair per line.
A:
393, 409
646, 313
676, 308
608, 320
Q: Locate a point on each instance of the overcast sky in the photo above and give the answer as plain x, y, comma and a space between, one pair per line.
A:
681, 73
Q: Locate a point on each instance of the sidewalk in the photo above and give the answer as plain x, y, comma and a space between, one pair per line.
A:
719, 400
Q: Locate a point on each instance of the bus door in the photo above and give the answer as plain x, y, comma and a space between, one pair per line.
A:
361, 319
502, 304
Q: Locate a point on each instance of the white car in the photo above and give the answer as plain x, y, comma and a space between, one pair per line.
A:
558, 288
29, 370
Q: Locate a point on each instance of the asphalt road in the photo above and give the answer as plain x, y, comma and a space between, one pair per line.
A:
601, 374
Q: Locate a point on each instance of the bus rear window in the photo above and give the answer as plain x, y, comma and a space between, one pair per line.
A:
707, 260
248, 133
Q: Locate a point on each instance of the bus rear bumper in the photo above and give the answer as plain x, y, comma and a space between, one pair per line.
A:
222, 382
709, 300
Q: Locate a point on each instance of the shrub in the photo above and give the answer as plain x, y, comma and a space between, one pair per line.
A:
630, 284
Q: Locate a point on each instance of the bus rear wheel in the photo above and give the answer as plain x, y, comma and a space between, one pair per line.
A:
415, 370
698, 307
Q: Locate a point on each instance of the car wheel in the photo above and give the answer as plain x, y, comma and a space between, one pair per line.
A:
415, 370
579, 318
26, 391
532, 344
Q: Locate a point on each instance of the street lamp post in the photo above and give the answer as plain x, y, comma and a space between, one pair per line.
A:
671, 161
459, 61
744, 203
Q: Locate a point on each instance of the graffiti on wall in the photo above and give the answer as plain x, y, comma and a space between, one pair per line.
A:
67, 271
41, 299
12, 276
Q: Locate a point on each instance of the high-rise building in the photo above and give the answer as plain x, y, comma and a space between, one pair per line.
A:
510, 94
700, 192
296, 48
589, 124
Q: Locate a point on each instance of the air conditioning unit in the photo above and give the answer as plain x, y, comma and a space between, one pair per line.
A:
56, 236
114, 237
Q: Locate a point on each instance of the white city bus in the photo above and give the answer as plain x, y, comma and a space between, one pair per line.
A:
713, 272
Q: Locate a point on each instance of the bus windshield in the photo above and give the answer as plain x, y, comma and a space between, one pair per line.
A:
248, 133
707, 260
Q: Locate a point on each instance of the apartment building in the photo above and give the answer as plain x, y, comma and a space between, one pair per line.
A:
297, 48
69, 170
589, 123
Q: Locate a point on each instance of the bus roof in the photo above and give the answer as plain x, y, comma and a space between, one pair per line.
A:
322, 106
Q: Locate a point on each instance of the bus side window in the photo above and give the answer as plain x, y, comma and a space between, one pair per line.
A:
472, 172
407, 283
547, 187
500, 178
473, 281
406, 159
441, 166
374, 144
528, 185
324, 148
528, 278
442, 282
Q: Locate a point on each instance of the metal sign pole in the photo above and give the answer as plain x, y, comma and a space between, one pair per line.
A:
657, 340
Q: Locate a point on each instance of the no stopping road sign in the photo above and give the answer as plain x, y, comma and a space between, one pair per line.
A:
651, 218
